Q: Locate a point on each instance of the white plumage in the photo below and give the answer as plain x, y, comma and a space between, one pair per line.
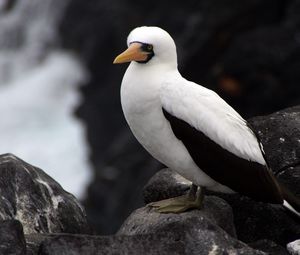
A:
160, 105
206, 111
146, 88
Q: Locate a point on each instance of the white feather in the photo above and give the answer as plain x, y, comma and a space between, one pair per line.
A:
207, 112
147, 88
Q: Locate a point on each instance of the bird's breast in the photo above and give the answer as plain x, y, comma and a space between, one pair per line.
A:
142, 107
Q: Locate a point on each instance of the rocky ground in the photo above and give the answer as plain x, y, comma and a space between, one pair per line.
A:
39, 217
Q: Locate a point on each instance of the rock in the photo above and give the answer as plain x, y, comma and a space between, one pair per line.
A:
164, 185
12, 238
294, 247
146, 220
34, 241
269, 247
253, 220
36, 200
280, 135
207, 231
109, 245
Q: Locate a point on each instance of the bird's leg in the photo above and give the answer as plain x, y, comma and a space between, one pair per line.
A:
192, 200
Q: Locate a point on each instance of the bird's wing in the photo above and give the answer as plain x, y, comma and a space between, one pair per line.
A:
218, 139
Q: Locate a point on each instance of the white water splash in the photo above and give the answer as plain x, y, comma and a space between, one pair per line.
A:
39, 94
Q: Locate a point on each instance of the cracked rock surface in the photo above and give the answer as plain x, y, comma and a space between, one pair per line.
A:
32, 197
280, 135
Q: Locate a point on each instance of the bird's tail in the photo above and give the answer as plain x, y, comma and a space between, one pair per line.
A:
291, 202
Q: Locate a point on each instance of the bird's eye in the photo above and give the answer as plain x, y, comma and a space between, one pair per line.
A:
149, 47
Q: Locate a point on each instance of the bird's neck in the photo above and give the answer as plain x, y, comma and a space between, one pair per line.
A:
141, 85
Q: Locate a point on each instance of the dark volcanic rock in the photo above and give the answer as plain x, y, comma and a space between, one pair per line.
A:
36, 200
280, 135
269, 247
253, 221
199, 231
145, 220
12, 241
151, 244
164, 185
33, 242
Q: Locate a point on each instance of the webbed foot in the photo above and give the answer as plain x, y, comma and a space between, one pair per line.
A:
192, 200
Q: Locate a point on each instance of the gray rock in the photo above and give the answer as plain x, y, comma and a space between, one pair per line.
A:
146, 220
12, 241
34, 241
253, 220
150, 244
36, 200
199, 231
164, 185
294, 247
280, 135
269, 247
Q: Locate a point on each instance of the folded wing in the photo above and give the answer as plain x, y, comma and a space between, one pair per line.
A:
219, 140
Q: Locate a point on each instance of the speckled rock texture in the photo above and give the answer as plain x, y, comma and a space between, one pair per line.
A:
12, 240
197, 232
280, 134
113, 245
30, 196
204, 231
145, 220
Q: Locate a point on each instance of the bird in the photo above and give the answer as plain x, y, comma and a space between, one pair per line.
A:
191, 129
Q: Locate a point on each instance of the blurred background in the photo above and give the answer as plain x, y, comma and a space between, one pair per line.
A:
59, 92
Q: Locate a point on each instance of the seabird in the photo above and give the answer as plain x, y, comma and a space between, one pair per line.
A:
190, 129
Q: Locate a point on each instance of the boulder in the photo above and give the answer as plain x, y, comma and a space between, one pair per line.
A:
145, 220
110, 245
269, 247
12, 240
206, 231
253, 220
280, 135
32, 197
34, 241
165, 184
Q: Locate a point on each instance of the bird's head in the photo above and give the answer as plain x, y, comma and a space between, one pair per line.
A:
147, 46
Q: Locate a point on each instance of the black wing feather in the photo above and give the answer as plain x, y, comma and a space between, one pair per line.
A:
246, 177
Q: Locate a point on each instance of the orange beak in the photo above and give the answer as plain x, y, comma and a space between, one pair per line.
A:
133, 53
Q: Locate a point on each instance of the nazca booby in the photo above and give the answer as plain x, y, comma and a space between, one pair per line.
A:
190, 129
